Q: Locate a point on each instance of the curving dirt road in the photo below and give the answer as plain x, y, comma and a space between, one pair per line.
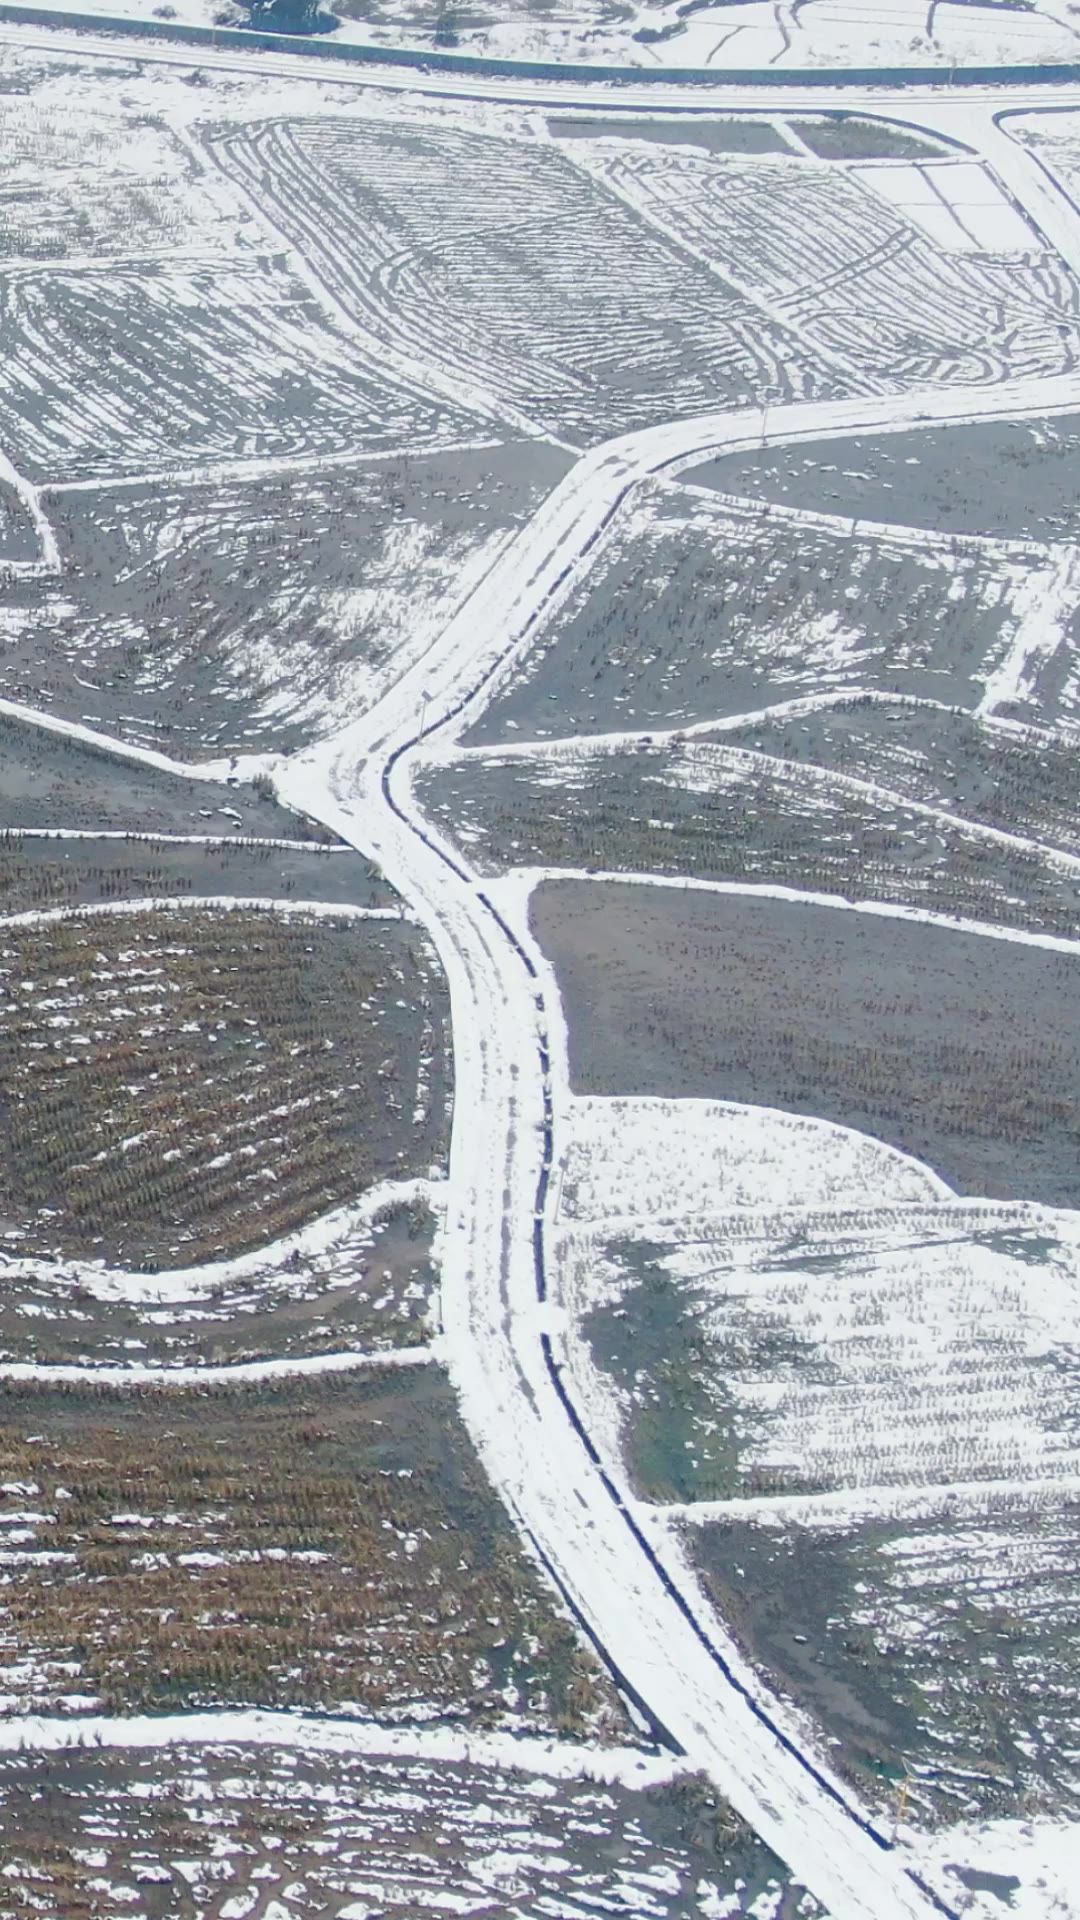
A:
501, 1334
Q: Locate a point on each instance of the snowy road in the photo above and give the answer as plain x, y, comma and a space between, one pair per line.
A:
499, 1331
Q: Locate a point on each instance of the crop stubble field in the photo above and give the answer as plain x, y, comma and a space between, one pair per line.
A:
186, 1084
186, 1830
370, 1282
695, 610
701, 809
312, 1543
288, 372
939, 1042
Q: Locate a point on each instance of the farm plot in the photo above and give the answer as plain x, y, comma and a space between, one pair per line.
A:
316, 1543
527, 283
861, 281
853, 136
52, 781
183, 1084
951, 1046
755, 134
630, 1161
68, 873
835, 1354
89, 182
692, 611
1012, 478
1019, 782
329, 1832
946, 1644
707, 811
153, 365
364, 1279
259, 613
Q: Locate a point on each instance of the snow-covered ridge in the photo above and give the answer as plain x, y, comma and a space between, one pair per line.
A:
549, 1759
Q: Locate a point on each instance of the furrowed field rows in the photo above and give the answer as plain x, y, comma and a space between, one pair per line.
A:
924, 1352
1019, 782
702, 809
996, 479
693, 609
240, 612
150, 364
321, 1542
187, 1084
948, 1045
181, 1832
943, 1647
46, 873
527, 281
853, 273
629, 1159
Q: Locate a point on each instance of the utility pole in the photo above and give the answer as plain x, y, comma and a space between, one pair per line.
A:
903, 1794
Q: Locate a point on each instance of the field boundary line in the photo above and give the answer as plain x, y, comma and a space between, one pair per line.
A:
199, 903
855, 1504
226, 1374
339, 1736
882, 909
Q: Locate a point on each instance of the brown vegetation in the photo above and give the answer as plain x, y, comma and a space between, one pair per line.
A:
303, 1543
189, 1083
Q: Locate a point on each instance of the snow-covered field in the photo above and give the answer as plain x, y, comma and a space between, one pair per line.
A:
889, 1347
697, 607
297, 372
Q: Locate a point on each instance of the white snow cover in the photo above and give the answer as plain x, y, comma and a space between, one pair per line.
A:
139, 1374
753, 33
554, 1760
958, 1500
936, 1344
643, 1160
1042, 1856
493, 1322
957, 203
204, 903
325, 1235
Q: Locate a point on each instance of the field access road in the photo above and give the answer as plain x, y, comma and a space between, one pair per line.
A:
498, 1329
